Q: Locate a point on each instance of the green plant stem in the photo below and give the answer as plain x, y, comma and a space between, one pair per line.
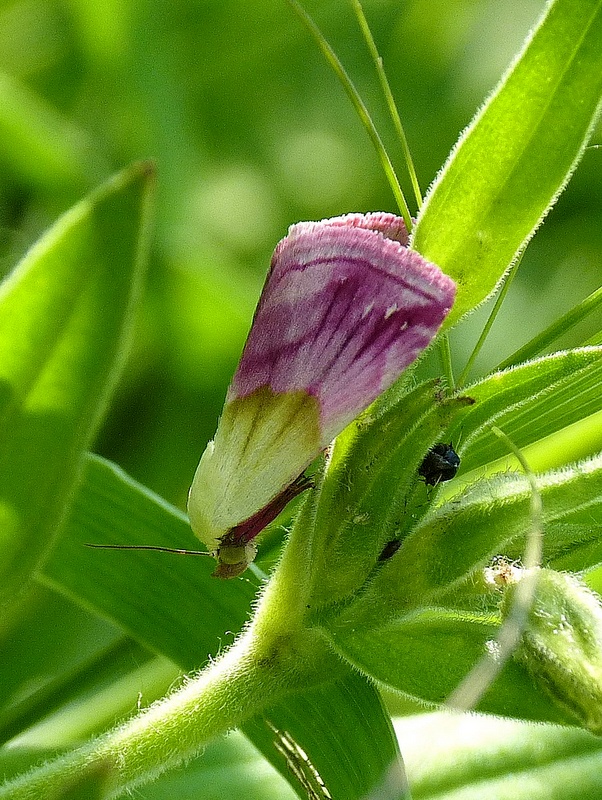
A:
533, 549
390, 100
491, 319
360, 109
250, 676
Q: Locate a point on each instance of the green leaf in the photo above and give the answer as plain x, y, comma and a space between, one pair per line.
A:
66, 314
48, 646
470, 758
491, 518
93, 699
575, 544
428, 655
229, 767
344, 730
168, 602
517, 154
529, 402
557, 329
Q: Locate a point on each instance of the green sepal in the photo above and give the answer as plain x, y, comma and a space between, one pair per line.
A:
370, 493
452, 542
429, 612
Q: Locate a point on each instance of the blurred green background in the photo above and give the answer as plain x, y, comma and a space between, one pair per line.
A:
251, 132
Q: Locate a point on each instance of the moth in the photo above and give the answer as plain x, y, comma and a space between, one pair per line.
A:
345, 308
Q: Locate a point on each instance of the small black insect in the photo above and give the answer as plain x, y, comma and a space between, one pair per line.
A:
440, 464
389, 550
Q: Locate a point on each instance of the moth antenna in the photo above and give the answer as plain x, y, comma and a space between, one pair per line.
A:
176, 550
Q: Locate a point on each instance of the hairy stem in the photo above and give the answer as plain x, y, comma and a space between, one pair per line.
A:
250, 676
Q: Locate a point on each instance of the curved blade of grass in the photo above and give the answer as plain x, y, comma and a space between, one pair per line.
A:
517, 154
390, 100
65, 317
360, 108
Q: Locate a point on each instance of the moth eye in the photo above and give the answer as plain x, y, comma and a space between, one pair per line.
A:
440, 464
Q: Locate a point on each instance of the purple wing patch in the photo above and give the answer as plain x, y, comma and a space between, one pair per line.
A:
347, 306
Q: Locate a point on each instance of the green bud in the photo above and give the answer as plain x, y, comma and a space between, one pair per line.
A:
561, 644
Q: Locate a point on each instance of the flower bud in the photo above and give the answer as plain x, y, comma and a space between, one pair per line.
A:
561, 645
